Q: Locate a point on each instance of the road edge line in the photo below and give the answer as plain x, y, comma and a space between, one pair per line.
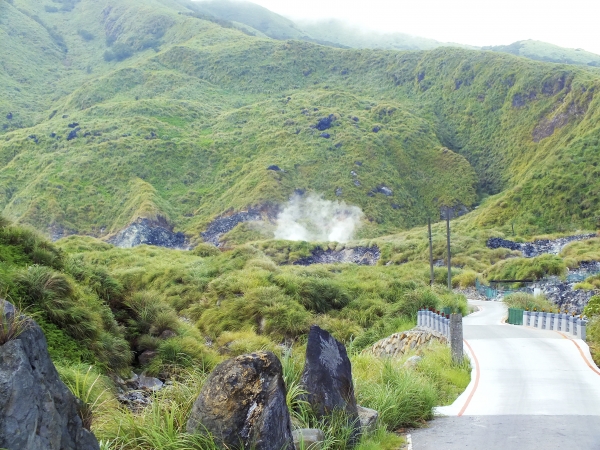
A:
476, 384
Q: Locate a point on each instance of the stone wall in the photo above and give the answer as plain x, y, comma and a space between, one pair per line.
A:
399, 344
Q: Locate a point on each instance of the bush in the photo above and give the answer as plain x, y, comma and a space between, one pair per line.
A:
85, 35
119, 52
11, 324
465, 279
205, 250
522, 300
527, 268
593, 307
402, 397
181, 352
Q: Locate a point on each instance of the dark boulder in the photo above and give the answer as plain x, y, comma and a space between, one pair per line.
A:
376, 129
73, 134
325, 122
37, 410
274, 168
9, 116
243, 404
34, 138
149, 232
73, 125
325, 135
327, 377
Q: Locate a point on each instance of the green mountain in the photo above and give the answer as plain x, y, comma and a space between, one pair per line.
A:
124, 110
542, 51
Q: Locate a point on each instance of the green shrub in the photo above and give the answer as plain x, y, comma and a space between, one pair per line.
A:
401, 396
464, 279
522, 300
205, 250
11, 325
527, 268
593, 307
181, 352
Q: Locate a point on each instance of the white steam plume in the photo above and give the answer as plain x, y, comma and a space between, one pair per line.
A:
313, 218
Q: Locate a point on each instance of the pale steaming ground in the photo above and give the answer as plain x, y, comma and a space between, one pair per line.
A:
312, 218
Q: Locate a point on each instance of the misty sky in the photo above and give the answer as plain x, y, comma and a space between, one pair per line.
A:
572, 23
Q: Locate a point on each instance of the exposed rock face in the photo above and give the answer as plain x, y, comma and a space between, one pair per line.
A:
243, 404
145, 231
227, 222
399, 343
327, 377
37, 411
365, 256
538, 247
565, 297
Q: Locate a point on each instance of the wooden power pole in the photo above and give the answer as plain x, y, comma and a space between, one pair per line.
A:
431, 275
448, 241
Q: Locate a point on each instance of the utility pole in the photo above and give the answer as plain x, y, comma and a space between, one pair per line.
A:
448, 241
431, 275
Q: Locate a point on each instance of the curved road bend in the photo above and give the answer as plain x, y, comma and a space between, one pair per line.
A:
530, 389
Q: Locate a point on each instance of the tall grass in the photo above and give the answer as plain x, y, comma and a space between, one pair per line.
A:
12, 322
522, 300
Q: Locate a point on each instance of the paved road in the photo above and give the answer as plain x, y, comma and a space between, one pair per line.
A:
530, 389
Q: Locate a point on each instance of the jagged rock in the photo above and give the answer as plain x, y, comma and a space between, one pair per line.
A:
327, 377
73, 125
34, 138
367, 418
274, 168
376, 129
308, 439
338, 192
226, 223
325, 135
364, 256
356, 183
145, 231
9, 116
37, 411
243, 404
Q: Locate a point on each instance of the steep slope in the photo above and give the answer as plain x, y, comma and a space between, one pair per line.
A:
182, 117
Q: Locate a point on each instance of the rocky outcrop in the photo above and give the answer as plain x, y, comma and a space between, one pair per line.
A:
146, 231
365, 256
367, 418
537, 247
227, 222
399, 344
37, 411
243, 404
564, 296
327, 377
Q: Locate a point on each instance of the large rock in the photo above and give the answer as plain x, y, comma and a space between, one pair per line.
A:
37, 411
327, 377
243, 404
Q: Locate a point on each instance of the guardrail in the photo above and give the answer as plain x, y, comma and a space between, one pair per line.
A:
435, 320
565, 323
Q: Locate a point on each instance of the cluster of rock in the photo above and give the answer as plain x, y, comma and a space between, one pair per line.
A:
399, 344
565, 297
136, 392
243, 402
366, 256
37, 410
537, 247
146, 231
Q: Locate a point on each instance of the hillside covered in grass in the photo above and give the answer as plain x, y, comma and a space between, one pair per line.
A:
150, 109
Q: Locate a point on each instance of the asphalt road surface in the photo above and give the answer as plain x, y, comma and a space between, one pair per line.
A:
530, 389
